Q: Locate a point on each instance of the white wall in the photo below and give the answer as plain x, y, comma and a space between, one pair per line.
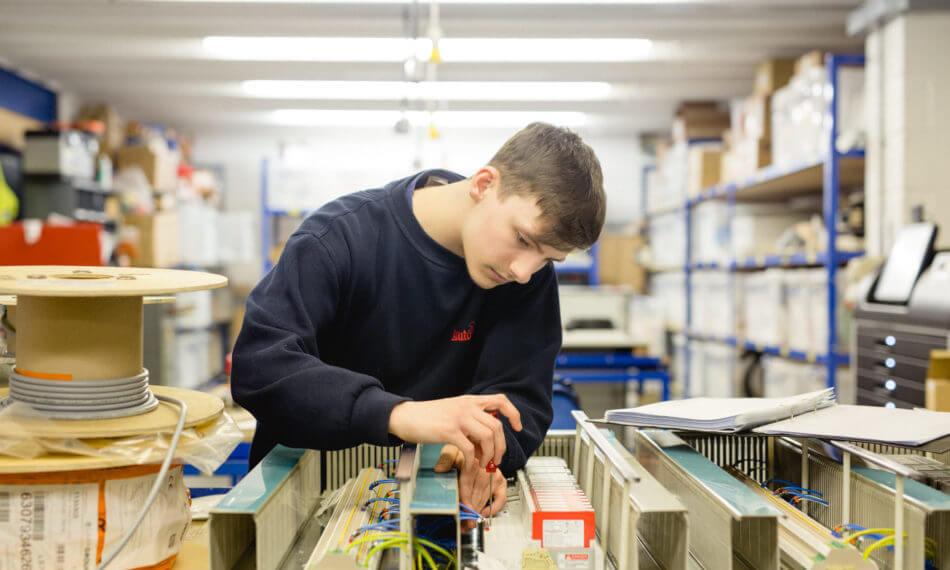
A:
908, 87
347, 160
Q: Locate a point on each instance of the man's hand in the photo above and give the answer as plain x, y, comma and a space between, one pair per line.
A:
473, 483
463, 421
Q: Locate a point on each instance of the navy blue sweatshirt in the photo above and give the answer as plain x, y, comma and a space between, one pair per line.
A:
364, 310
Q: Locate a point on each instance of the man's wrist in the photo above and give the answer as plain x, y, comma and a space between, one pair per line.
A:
395, 418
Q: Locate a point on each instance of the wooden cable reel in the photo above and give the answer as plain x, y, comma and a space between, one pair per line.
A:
79, 351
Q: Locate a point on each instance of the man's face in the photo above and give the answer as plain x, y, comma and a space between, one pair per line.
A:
499, 240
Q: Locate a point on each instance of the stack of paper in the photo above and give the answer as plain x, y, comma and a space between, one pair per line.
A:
721, 414
867, 423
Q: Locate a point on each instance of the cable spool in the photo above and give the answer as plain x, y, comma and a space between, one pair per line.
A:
79, 369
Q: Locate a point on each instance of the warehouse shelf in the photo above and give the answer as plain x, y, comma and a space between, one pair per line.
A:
666, 210
664, 268
773, 183
828, 175
799, 355
779, 260
590, 270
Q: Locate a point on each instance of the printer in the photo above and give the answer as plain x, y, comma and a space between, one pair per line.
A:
902, 313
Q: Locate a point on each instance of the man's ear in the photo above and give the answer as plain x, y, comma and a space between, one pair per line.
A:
482, 181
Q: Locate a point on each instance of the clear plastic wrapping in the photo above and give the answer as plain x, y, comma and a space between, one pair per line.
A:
205, 446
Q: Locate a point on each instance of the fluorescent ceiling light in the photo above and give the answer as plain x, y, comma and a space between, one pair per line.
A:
374, 118
430, 90
451, 49
473, 2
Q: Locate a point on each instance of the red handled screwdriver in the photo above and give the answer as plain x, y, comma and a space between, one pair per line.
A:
491, 468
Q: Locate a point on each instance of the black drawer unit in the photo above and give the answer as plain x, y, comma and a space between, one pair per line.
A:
890, 387
896, 365
866, 398
888, 342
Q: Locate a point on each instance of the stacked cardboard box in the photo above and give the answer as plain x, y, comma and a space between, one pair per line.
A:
703, 167
749, 139
617, 261
699, 120
937, 395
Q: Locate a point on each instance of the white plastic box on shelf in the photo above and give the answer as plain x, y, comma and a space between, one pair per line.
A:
757, 228
711, 232
697, 369
198, 235
670, 289
192, 359
800, 316
237, 237
670, 188
193, 310
647, 322
678, 368
818, 298
765, 307
783, 377
801, 118
719, 370
807, 299
712, 304
666, 234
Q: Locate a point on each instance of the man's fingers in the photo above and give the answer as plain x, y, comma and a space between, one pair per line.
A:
447, 458
466, 481
501, 403
466, 447
498, 431
500, 492
483, 439
498, 436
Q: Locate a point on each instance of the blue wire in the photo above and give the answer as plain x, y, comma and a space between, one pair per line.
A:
387, 525
789, 484
468, 508
804, 496
377, 499
378, 482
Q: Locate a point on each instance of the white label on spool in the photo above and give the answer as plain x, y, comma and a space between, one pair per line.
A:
56, 526
48, 526
162, 530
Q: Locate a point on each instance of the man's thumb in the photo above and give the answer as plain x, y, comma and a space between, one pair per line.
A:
446, 458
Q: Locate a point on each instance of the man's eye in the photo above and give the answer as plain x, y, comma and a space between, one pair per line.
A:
522, 240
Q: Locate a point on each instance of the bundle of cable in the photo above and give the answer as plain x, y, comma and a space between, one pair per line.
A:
79, 377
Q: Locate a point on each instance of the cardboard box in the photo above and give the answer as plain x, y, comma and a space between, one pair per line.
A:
937, 390
111, 140
815, 58
158, 239
751, 155
703, 168
160, 167
709, 126
13, 127
773, 74
617, 261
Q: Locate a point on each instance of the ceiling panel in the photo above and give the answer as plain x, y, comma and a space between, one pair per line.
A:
146, 57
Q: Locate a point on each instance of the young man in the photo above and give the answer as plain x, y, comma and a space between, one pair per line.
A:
413, 311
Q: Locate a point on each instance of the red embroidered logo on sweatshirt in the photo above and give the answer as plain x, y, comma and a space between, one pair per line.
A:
464, 335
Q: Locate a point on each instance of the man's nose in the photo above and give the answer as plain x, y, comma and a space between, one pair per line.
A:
522, 269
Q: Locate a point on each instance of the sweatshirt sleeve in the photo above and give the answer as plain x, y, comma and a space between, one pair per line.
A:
277, 373
518, 361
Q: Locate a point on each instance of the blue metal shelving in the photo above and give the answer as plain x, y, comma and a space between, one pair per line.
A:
268, 216
591, 270
824, 175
